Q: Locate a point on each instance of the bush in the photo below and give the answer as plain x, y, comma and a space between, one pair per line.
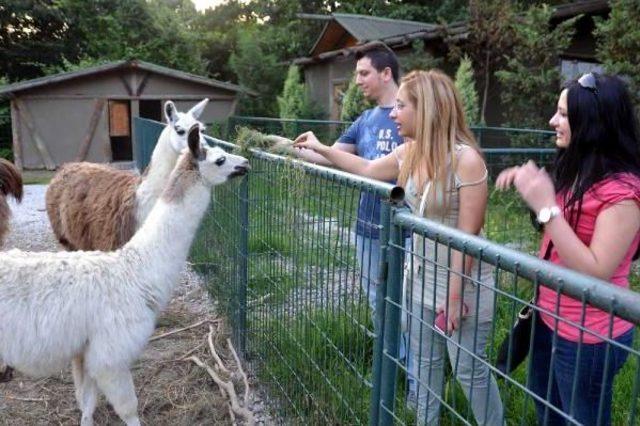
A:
466, 86
618, 44
353, 102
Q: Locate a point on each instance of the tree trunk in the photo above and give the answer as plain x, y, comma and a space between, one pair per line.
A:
485, 93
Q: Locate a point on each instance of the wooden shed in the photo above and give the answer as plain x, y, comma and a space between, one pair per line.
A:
88, 114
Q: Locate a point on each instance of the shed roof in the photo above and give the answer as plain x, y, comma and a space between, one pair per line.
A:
118, 65
362, 29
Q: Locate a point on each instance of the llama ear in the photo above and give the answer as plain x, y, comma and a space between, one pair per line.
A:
194, 141
197, 110
170, 112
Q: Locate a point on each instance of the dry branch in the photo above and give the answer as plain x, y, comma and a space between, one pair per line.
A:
225, 387
245, 380
219, 362
179, 330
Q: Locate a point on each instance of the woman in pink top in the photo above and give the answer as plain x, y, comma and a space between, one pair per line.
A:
590, 209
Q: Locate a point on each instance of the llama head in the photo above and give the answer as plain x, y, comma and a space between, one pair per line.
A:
214, 165
179, 124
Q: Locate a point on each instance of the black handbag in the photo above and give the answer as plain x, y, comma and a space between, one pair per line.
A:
519, 338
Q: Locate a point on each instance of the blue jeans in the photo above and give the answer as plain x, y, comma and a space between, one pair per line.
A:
589, 375
368, 256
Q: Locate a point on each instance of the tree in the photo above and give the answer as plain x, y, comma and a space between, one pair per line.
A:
293, 102
531, 77
419, 59
259, 71
490, 38
618, 44
33, 34
158, 31
466, 86
353, 102
412, 10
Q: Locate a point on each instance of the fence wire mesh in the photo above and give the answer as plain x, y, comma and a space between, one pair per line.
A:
280, 257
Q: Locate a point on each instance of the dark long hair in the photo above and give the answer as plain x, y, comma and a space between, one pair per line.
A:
604, 140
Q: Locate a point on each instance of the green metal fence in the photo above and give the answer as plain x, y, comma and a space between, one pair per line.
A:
278, 254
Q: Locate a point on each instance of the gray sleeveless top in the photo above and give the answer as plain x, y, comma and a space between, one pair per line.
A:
428, 277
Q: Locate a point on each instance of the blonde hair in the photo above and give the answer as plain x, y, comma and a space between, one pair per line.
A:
439, 125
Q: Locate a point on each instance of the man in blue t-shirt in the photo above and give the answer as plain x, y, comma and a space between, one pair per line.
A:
372, 135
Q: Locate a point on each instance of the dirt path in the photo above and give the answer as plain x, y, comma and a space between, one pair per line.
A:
170, 391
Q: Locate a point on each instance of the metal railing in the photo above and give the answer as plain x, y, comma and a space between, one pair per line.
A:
328, 131
279, 257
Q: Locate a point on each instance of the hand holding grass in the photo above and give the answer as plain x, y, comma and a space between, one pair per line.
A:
310, 141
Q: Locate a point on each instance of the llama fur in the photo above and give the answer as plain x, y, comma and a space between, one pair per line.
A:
10, 185
97, 207
98, 309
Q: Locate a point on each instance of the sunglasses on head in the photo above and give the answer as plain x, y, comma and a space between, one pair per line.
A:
588, 81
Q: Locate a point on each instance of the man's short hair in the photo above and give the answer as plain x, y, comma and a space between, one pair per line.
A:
382, 57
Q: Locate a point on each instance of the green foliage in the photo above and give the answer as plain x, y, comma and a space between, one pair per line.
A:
257, 70
467, 88
5, 127
412, 10
530, 79
353, 103
293, 101
157, 31
489, 42
618, 45
419, 59
33, 34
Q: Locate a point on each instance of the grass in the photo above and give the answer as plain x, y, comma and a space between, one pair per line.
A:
37, 177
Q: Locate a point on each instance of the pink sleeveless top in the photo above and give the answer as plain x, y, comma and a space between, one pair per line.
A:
602, 195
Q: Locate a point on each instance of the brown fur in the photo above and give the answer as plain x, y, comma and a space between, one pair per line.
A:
184, 176
92, 206
10, 184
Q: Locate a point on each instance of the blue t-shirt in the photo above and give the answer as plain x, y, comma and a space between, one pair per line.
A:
375, 135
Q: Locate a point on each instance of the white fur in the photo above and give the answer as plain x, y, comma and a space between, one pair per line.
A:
98, 309
165, 154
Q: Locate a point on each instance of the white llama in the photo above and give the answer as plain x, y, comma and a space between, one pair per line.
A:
97, 207
98, 309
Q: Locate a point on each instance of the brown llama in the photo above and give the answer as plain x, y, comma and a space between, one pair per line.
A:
97, 207
10, 185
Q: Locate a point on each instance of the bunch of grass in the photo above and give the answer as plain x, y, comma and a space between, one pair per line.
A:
249, 138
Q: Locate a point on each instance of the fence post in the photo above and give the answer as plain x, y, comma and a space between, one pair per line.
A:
378, 326
392, 332
240, 329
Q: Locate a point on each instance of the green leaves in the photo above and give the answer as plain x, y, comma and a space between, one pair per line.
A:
353, 102
530, 79
618, 43
465, 83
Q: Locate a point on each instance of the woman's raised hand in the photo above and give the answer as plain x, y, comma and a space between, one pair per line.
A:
310, 141
506, 177
535, 186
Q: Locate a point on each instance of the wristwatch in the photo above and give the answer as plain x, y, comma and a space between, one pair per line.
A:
547, 213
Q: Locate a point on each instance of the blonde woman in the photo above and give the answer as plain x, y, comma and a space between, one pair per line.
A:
445, 179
